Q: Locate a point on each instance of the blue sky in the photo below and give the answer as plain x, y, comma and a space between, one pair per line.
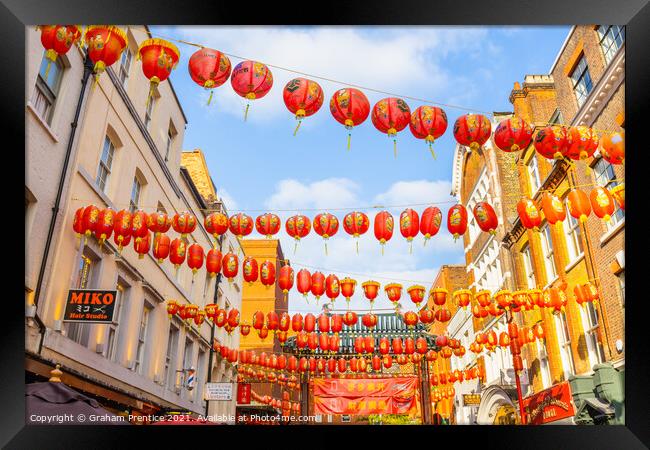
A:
259, 165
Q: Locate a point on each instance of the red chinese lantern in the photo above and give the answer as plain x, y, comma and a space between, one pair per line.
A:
618, 192
251, 80
303, 282
310, 323
57, 41
312, 341
462, 297
347, 288
334, 343
250, 269
332, 287
426, 316
323, 323
553, 208
143, 245
268, 224
272, 320
326, 225
244, 330
579, 204
105, 45
184, 223
583, 142
89, 219
121, 227
513, 134
431, 355
195, 257
383, 228
370, 290
554, 298
409, 225
317, 285
485, 217
172, 308
336, 323
213, 261
538, 331
410, 319
78, 224
349, 107
350, 318
457, 220
220, 318
529, 214
301, 339
472, 130
536, 297
602, 203
391, 115
161, 247
612, 147
298, 227
303, 364
355, 224
233, 318
430, 222
369, 320
104, 226
158, 57
323, 342
442, 341
384, 345
267, 273
230, 266
421, 345
443, 315
393, 292
504, 339
376, 363
402, 360
492, 338
285, 279
439, 296
209, 68
416, 293
503, 298
483, 298
296, 322
241, 225
398, 347
387, 361
354, 365
216, 224
369, 343
177, 251
428, 123
303, 98
552, 142
342, 365
158, 222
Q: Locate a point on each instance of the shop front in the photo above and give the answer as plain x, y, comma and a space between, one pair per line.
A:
498, 406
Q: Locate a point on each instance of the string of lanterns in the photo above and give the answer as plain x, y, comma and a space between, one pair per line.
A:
253, 80
125, 225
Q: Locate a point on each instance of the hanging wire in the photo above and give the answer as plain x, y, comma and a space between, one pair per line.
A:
358, 208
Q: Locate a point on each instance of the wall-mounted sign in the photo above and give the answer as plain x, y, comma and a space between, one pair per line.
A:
90, 306
471, 399
243, 394
218, 391
549, 405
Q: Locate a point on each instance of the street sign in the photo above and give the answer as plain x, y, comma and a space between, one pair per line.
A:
90, 306
218, 391
471, 399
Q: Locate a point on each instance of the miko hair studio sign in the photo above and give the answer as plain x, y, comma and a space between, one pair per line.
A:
90, 306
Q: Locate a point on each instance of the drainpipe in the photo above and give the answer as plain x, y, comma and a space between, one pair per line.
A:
88, 68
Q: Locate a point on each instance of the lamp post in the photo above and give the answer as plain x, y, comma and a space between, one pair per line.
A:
516, 351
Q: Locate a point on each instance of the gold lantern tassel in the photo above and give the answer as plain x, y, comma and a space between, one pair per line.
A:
395, 147
587, 169
297, 126
357, 246
326, 248
410, 247
210, 97
382, 249
426, 239
431, 150
349, 139
246, 111
295, 246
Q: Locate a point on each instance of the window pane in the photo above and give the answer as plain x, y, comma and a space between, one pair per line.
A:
52, 75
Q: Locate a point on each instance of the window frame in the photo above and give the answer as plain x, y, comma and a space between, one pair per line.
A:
544, 367
173, 338
582, 84
529, 270
605, 176
105, 167
548, 253
573, 233
126, 59
595, 351
145, 319
43, 90
564, 343
112, 340
134, 203
608, 53
79, 332
533, 174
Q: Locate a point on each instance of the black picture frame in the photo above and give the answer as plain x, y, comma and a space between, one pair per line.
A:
635, 14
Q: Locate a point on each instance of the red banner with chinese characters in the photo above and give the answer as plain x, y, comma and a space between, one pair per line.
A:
365, 396
549, 405
243, 393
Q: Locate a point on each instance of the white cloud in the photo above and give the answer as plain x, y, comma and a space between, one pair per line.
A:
292, 194
416, 192
406, 61
227, 199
